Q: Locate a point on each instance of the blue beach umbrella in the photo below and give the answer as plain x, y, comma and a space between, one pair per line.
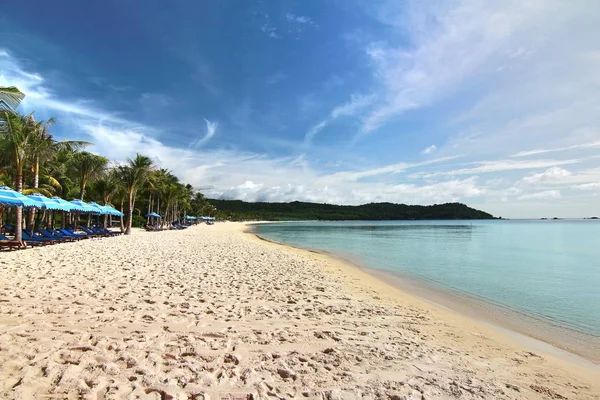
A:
67, 205
100, 209
12, 198
84, 207
190, 218
153, 215
110, 210
46, 203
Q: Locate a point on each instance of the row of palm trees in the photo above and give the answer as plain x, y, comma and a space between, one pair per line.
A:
32, 160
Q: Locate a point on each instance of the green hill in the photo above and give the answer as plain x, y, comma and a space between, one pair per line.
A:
296, 210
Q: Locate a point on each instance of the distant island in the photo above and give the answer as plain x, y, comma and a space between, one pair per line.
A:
296, 210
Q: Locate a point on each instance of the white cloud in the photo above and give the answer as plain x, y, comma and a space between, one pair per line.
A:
299, 19
498, 166
547, 194
553, 174
268, 28
450, 42
211, 129
591, 145
351, 108
588, 186
40, 98
429, 150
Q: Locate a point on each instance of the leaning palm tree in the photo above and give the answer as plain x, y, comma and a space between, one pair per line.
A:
16, 137
133, 175
88, 166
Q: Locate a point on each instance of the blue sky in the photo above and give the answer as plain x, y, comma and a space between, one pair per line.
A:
494, 104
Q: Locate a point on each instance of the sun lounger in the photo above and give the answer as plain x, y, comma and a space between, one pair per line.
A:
66, 232
92, 233
102, 231
11, 244
105, 230
36, 239
52, 235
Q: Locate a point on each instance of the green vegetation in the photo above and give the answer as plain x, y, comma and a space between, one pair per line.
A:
296, 210
31, 161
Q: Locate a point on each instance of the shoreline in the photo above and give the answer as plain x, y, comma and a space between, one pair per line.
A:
521, 328
213, 312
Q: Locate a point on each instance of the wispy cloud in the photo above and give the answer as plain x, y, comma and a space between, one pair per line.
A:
301, 19
497, 166
588, 186
546, 194
268, 28
211, 129
591, 145
275, 78
553, 174
450, 42
429, 150
39, 97
356, 104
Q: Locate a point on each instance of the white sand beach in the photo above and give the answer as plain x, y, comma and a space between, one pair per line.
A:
214, 313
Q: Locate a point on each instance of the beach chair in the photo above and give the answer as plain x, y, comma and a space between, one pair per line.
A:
11, 244
72, 234
92, 233
99, 230
53, 235
30, 239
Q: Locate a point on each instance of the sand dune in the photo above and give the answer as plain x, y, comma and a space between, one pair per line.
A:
211, 312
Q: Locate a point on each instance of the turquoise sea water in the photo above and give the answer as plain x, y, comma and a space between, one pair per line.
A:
547, 269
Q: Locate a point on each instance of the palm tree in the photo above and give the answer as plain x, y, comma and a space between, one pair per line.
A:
134, 175
43, 149
105, 188
88, 167
16, 137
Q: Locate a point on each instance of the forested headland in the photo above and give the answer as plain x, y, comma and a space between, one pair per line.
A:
296, 210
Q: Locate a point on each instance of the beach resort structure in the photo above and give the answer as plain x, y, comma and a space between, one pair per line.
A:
10, 98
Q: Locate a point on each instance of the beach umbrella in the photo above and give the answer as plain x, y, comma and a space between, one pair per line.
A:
110, 210
100, 209
12, 198
153, 215
190, 218
46, 203
84, 207
67, 205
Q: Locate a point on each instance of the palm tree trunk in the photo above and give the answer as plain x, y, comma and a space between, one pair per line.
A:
149, 207
19, 210
121, 217
130, 213
81, 190
36, 184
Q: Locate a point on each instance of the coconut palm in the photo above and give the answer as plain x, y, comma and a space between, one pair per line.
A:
16, 137
43, 149
105, 187
88, 167
133, 175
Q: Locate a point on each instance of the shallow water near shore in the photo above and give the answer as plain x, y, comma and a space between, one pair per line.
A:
537, 277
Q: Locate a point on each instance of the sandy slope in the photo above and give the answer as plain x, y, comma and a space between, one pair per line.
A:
211, 312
